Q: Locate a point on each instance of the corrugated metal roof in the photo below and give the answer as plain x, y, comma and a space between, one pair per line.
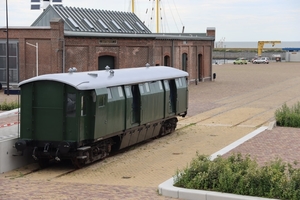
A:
92, 20
166, 36
101, 79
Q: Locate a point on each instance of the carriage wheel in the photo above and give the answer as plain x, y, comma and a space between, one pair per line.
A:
78, 163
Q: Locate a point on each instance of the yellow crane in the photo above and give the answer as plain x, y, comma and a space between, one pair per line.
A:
260, 45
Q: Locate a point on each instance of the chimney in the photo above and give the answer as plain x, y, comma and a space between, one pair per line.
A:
211, 31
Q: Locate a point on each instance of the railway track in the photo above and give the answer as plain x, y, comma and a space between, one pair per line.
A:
33, 171
250, 100
59, 169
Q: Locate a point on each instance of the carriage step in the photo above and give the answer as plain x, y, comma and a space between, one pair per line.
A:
83, 148
81, 157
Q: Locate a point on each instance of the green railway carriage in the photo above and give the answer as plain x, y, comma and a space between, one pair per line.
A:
83, 116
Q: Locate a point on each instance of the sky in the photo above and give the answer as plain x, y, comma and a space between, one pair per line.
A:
234, 20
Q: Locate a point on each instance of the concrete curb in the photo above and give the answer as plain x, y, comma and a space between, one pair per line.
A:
167, 189
9, 113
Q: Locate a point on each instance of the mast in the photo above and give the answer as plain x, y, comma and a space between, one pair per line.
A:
132, 6
157, 16
156, 10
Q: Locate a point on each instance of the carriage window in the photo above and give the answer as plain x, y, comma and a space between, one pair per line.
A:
147, 87
71, 105
160, 85
166, 84
180, 83
141, 88
83, 106
128, 92
94, 96
183, 80
120, 91
101, 101
109, 93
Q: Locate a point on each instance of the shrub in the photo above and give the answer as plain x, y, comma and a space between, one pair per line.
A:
288, 117
241, 175
9, 106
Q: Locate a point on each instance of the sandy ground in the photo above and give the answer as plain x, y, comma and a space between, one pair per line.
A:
240, 100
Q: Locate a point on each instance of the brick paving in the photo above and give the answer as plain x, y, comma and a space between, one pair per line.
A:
280, 142
37, 190
257, 89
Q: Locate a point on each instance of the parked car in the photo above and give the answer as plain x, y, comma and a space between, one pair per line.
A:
253, 59
240, 61
263, 60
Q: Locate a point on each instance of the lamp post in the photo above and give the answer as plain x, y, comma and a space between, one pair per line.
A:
224, 52
7, 53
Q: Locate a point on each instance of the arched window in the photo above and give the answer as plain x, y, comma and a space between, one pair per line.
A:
106, 60
184, 62
167, 61
200, 67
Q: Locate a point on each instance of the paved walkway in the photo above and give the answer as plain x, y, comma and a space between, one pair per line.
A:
241, 99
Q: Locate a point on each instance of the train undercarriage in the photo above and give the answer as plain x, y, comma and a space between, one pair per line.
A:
98, 150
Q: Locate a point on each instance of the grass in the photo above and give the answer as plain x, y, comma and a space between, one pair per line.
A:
288, 116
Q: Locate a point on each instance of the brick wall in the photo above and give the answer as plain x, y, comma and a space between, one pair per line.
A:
58, 53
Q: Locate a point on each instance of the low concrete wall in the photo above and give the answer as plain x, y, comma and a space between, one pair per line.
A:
248, 55
10, 159
167, 189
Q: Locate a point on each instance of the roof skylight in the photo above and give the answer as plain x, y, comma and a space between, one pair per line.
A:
73, 22
116, 25
140, 26
88, 23
128, 25
102, 24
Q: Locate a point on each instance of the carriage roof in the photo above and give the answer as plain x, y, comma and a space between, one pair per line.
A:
108, 78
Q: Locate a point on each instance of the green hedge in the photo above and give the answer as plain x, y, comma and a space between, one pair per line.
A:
241, 175
288, 116
9, 106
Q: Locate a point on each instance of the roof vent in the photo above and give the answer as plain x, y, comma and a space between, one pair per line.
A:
147, 65
107, 68
93, 74
111, 72
72, 69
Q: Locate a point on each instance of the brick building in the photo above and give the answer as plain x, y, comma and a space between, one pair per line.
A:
88, 39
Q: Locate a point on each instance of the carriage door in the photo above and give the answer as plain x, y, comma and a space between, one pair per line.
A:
101, 118
47, 110
87, 121
133, 105
182, 94
170, 97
